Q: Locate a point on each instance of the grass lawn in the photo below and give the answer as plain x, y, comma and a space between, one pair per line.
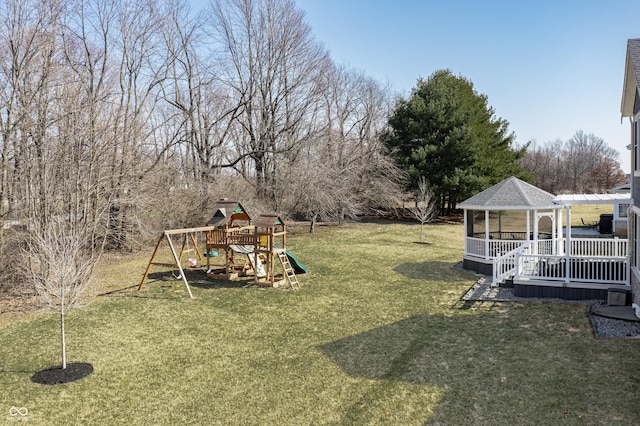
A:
371, 338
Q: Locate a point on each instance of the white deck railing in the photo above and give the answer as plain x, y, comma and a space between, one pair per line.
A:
596, 260
505, 265
599, 247
602, 270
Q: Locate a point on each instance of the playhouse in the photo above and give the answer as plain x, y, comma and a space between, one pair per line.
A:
229, 241
234, 247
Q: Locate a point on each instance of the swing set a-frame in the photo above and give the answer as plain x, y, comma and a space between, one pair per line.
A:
187, 236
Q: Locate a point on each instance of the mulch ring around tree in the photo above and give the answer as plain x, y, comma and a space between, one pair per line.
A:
58, 375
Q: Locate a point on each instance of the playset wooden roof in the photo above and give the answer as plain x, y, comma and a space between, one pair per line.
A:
269, 221
227, 212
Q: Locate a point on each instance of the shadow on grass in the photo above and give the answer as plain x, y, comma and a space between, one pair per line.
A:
132, 292
396, 351
486, 362
170, 281
430, 270
198, 278
421, 350
119, 291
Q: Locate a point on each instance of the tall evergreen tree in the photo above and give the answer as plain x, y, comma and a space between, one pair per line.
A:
447, 132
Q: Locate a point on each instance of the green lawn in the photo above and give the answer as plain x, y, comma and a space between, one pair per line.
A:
371, 338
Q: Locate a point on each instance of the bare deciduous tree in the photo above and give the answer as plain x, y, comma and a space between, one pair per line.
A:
61, 264
344, 173
269, 62
425, 206
109, 109
585, 163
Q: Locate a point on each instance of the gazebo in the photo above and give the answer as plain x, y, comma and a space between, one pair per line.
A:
514, 234
502, 218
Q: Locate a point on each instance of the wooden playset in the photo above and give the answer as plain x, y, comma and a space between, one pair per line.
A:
234, 247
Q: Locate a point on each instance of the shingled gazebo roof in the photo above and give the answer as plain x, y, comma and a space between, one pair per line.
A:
510, 194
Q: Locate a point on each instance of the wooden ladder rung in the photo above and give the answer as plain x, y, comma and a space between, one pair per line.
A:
288, 270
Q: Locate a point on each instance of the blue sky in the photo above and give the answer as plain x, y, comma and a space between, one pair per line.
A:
549, 68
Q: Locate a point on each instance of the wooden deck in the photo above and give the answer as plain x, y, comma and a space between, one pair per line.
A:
585, 270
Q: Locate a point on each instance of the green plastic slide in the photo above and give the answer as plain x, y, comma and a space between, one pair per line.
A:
298, 268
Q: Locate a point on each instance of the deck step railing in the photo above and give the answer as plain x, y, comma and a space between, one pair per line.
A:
505, 265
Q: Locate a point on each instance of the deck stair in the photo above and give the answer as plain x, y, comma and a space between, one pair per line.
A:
288, 270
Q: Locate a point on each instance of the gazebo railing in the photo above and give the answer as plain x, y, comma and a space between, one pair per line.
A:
493, 248
475, 247
511, 235
480, 247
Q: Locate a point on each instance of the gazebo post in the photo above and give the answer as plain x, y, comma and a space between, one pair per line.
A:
568, 245
486, 234
535, 230
558, 233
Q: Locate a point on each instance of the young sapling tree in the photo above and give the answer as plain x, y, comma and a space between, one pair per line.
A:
61, 264
425, 206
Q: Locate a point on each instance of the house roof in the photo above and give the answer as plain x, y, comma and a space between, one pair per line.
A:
631, 78
510, 194
622, 189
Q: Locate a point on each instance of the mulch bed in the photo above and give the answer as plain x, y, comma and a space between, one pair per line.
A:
57, 375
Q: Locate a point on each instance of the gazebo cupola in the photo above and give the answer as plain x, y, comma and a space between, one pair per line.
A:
504, 217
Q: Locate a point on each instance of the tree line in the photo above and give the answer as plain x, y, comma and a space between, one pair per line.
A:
129, 117
122, 118
582, 164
